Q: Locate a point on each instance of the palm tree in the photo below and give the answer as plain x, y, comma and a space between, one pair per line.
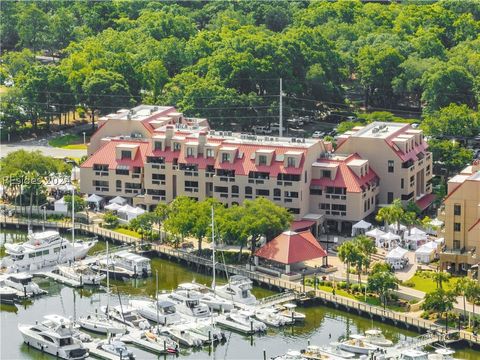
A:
440, 301
410, 219
440, 277
366, 248
348, 254
391, 214
472, 293
461, 289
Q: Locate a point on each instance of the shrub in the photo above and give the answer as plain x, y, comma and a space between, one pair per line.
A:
409, 284
342, 285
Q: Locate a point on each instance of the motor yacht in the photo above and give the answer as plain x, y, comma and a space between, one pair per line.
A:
187, 303
442, 354
245, 318
170, 345
357, 345
290, 355
238, 290
413, 354
207, 328
162, 311
334, 349
24, 283
58, 341
207, 297
375, 337
126, 315
183, 336
139, 265
7, 295
315, 353
114, 271
271, 318
81, 273
288, 311
41, 250
101, 324
117, 348
53, 321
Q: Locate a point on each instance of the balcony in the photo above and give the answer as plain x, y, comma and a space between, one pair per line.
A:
191, 189
98, 188
101, 173
190, 173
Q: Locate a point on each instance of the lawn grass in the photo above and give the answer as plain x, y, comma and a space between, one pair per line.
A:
128, 232
427, 284
70, 141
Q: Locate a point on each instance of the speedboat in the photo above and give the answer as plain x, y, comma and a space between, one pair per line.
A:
290, 355
238, 290
207, 297
162, 311
413, 354
53, 321
288, 310
187, 303
117, 348
245, 318
333, 349
23, 282
184, 336
43, 249
126, 315
58, 341
271, 318
170, 345
442, 354
7, 295
101, 324
204, 327
375, 337
357, 345
139, 265
315, 353
81, 273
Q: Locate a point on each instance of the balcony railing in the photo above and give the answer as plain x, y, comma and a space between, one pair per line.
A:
101, 173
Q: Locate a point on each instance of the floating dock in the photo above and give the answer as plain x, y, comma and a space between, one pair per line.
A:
59, 278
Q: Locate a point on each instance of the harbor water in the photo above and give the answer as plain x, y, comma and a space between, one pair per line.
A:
322, 326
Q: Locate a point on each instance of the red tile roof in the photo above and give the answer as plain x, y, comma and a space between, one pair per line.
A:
345, 177
425, 201
106, 155
291, 247
474, 225
301, 225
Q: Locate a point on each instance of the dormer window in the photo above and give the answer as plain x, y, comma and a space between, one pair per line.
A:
290, 162
326, 173
225, 157
126, 154
262, 160
176, 146
189, 151
210, 153
157, 145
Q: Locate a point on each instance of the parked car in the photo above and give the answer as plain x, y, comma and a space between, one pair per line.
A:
276, 128
295, 123
318, 134
262, 130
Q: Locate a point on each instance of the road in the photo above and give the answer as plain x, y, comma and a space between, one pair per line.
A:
41, 145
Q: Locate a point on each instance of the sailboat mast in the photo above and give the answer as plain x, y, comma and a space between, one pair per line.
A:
73, 221
108, 283
156, 298
213, 251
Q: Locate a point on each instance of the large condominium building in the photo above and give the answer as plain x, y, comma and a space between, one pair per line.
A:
399, 155
164, 155
461, 215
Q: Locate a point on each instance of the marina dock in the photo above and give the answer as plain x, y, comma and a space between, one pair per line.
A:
59, 278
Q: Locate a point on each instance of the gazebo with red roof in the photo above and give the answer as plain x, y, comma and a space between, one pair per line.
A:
290, 248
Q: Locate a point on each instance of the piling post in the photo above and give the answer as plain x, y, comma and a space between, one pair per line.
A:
264, 355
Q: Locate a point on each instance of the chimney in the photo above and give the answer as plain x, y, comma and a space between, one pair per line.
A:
202, 140
170, 130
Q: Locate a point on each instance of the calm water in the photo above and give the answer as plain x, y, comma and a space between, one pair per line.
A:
322, 326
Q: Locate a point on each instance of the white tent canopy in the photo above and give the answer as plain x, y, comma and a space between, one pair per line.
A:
118, 200
60, 206
416, 238
96, 200
396, 227
434, 225
375, 233
426, 253
436, 222
397, 258
360, 227
113, 207
128, 212
389, 240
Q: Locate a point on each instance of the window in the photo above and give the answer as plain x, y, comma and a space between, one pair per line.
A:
262, 192
389, 197
176, 146
248, 190
294, 210
157, 145
401, 183
225, 157
277, 192
324, 206
391, 166
210, 153
291, 194
262, 160
126, 154
456, 244
457, 227
122, 171
326, 173
119, 183
158, 176
191, 184
339, 207
290, 161
306, 177
235, 189
315, 191
288, 177
457, 209
189, 151
221, 189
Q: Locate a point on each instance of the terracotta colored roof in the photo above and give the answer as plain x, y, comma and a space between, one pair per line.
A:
292, 247
425, 201
474, 225
300, 225
345, 177
245, 164
106, 155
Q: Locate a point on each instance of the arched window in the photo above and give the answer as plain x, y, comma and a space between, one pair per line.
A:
235, 189
248, 190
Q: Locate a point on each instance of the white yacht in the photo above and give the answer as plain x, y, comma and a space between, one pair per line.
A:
43, 249
116, 348
271, 317
128, 316
187, 303
207, 297
288, 311
139, 265
163, 311
53, 321
290, 355
204, 327
170, 345
58, 342
245, 318
7, 295
108, 266
81, 273
375, 337
413, 354
101, 324
238, 289
357, 345
315, 353
23, 282
442, 354
334, 349
184, 337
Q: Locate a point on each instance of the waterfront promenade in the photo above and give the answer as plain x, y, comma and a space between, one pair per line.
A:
304, 294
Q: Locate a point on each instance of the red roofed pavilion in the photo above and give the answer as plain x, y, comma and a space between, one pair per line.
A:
290, 248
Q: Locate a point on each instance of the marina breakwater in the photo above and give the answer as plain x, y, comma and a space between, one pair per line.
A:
290, 290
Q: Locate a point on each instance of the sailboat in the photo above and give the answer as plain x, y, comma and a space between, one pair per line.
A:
101, 323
